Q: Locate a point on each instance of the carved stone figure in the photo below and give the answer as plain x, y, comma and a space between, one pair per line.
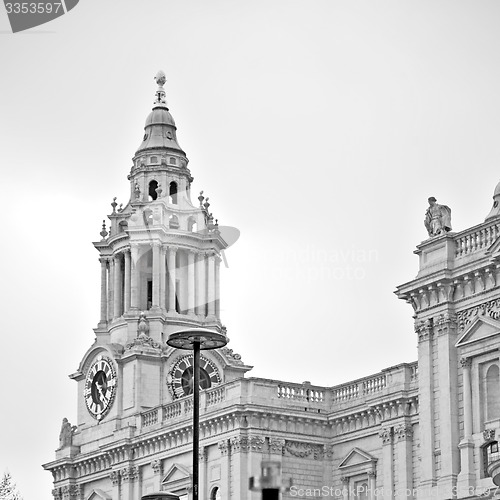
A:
437, 218
66, 434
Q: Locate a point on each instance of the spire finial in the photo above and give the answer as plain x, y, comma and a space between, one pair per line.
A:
160, 79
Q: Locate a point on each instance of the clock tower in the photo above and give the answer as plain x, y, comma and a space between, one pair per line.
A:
160, 258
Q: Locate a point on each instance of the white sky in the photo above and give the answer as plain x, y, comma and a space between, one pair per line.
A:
318, 129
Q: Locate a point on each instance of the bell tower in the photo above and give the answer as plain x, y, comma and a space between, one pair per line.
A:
160, 258
162, 253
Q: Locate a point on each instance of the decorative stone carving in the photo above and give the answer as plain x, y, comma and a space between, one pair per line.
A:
386, 435
328, 451
437, 218
57, 493
137, 191
157, 466
490, 309
403, 431
466, 362
70, 492
424, 330
224, 447
143, 338
256, 443
240, 444
203, 454
300, 449
129, 474
489, 435
66, 434
276, 446
233, 357
114, 475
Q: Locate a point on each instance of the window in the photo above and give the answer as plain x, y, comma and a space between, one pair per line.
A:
361, 490
172, 192
150, 294
173, 161
153, 185
192, 225
154, 159
173, 222
493, 392
215, 494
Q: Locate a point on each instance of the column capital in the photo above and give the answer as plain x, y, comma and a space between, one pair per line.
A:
386, 435
465, 362
403, 431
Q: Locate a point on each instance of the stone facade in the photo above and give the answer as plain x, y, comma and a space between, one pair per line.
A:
420, 430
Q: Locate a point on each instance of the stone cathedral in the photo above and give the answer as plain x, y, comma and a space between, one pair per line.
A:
422, 430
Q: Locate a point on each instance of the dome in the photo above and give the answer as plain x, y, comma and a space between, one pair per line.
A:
159, 116
497, 190
160, 129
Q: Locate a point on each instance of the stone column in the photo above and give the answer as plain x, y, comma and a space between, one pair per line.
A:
426, 411
345, 487
448, 394
203, 481
466, 480
191, 285
156, 276
117, 286
256, 444
372, 485
104, 289
211, 285
163, 287
225, 451
239, 453
126, 287
201, 297
403, 434
171, 278
217, 286
129, 478
111, 285
387, 465
134, 277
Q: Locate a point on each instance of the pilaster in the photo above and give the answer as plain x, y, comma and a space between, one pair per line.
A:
386, 435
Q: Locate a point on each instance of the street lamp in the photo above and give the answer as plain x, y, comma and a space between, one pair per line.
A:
196, 340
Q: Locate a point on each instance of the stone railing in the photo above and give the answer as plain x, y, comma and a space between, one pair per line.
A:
303, 392
278, 394
476, 238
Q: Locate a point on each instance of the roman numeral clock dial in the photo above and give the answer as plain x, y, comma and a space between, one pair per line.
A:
181, 377
100, 387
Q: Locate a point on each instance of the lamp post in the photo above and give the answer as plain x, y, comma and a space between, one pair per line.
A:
196, 340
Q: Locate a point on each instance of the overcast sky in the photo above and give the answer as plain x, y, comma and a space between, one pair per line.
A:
318, 129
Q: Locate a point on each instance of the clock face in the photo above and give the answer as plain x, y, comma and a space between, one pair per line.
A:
100, 387
181, 377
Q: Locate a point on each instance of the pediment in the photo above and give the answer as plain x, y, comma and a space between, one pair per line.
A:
482, 327
177, 473
357, 457
99, 495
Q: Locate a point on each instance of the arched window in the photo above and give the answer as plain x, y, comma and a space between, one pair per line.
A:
152, 190
123, 226
361, 490
490, 454
173, 222
493, 392
192, 225
215, 494
173, 192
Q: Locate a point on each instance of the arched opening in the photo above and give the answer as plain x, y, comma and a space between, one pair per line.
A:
361, 490
493, 392
172, 193
490, 454
122, 226
152, 194
148, 217
173, 222
215, 494
192, 225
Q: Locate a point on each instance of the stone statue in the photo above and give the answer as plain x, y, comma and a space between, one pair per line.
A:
66, 434
137, 190
437, 218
